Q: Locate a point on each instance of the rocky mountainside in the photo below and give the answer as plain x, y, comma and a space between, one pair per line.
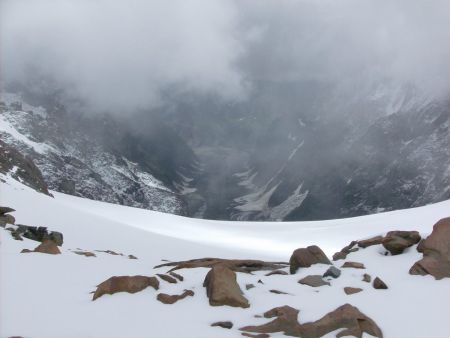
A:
91, 157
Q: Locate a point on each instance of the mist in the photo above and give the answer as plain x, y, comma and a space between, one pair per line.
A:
124, 55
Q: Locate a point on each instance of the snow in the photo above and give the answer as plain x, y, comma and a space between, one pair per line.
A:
48, 296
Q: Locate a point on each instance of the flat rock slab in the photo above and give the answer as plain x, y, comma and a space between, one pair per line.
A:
354, 265
130, 284
313, 281
350, 290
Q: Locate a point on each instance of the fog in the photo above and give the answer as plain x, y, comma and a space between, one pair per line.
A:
123, 55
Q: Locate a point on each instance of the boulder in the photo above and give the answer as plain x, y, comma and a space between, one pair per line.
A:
222, 287
379, 284
40, 234
397, 241
48, 247
354, 265
436, 252
346, 317
313, 281
130, 284
225, 325
167, 278
333, 272
365, 243
350, 290
305, 257
170, 299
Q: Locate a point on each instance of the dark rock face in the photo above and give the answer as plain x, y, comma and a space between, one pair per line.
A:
40, 234
225, 325
313, 280
25, 169
436, 252
397, 241
7, 219
305, 257
333, 272
6, 210
171, 299
345, 317
379, 284
223, 289
130, 284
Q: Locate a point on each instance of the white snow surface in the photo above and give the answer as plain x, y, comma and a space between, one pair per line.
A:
48, 295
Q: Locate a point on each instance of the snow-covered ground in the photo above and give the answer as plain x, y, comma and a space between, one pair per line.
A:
49, 296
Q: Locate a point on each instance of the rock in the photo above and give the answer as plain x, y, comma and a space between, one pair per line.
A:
365, 243
436, 252
249, 286
225, 325
350, 290
339, 255
170, 299
237, 265
7, 219
278, 292
313, 280
354, 265
261, 335
167, 278
420, 246
397, 241
132, 257
379, 284
48, 247
223, 289
16, 236
260, 281
85, 253
345, 317
130, 284
333, 272
40, 234
177, 276
6, 210
366, 278
277, 272
305, 257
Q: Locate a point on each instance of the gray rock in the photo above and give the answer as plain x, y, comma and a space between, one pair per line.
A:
332, 272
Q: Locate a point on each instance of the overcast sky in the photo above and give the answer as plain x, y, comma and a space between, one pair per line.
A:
119, 54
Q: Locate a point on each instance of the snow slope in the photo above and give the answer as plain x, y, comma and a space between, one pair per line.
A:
48, 296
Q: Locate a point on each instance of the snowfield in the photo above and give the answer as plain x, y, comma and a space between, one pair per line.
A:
49, 296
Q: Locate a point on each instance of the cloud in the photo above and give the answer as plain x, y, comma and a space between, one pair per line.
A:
117, 54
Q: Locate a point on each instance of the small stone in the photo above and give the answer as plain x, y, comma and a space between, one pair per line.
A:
354, 265
313, 281
171, 299
350, 290
278, 292
332, 272
132, 257
366, 278
225, 325
85, 253
379, 284
249, 286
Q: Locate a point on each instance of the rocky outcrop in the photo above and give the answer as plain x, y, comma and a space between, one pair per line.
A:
313, 281
436, 252
347, 317
40, 234
222, 287
130, 284
237, 265
47, 247
305, 257
397, 241
171, 299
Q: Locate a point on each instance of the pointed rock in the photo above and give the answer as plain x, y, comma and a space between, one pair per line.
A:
379, 284
333, 272
305, 257
313, 281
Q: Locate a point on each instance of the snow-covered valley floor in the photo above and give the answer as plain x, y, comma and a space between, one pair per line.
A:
49, 296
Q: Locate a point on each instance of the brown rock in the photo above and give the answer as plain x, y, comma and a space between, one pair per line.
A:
177, 276
345, 317
223, 289
170, 299
305, 257
6, 210
130, 284
339, 255
313, 280
354, 265
48, 247
366, 278
397, 241
167, 278
225, 325
379, 284
85, 253
260, 335
276, 272
350, 291
370, 241
436, 252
